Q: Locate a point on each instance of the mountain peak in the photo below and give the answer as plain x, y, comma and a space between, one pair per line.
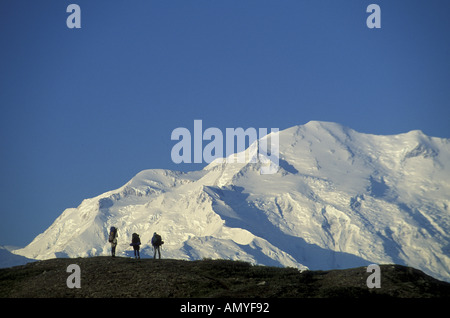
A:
340, 199
323, 124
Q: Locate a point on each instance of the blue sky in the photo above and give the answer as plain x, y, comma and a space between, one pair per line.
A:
84, 110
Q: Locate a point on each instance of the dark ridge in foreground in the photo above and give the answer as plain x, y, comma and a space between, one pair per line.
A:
168, 278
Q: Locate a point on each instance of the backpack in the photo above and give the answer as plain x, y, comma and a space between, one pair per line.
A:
156, 240
135, 240
112, 234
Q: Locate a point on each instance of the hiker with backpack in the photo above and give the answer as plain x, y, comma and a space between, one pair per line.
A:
135, 242
156, 243
113, 240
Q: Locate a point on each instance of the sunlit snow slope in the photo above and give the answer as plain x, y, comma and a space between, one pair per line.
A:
340, 199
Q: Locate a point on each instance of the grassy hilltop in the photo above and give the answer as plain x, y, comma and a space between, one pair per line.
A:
167, 278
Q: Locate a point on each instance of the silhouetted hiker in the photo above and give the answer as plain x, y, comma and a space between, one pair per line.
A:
113, 240
157, 242
135, 242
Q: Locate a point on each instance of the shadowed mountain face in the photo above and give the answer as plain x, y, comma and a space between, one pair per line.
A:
340, 199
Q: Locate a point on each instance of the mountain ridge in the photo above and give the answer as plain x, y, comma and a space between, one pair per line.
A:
339, 199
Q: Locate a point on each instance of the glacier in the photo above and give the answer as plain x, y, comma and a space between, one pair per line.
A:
340, 199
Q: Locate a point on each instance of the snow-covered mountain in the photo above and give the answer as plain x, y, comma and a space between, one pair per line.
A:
8, 259
340, 199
